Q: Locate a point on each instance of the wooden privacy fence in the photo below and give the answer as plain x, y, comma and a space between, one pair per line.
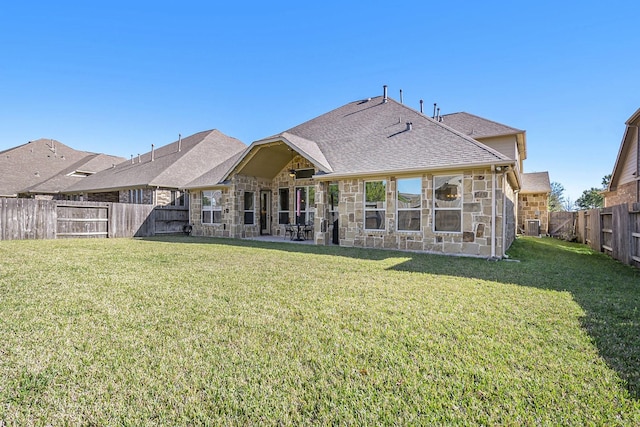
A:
50, 219
613, 230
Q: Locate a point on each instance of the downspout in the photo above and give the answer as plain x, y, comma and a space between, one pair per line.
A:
504, 213
493, 211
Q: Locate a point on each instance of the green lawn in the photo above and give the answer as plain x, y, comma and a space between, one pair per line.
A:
191, 331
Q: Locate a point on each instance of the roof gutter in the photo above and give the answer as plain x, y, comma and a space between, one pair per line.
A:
409, 171
225, 184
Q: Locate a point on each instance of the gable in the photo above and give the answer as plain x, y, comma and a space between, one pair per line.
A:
627, 165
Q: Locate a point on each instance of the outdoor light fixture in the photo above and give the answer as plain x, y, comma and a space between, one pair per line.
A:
292, 173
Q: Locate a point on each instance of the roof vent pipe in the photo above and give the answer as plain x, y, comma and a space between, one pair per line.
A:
409, 125
152, 152
138, 157
132, 159
438, 115
401, 96
421, 106
385, 98
434, 111
179, 142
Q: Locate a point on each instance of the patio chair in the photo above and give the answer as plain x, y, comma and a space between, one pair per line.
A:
308, 230
290, 230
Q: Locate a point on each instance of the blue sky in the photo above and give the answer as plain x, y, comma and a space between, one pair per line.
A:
117, 76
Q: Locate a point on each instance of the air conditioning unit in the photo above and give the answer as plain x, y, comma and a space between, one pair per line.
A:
533, 227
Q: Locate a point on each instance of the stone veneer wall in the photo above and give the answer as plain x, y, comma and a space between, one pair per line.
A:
164, 197
223, 229
510, 232
475, 238
625, 193
283, 180
533, 206
233, 203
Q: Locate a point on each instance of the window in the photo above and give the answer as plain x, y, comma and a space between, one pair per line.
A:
248, 208
135, 196
409, 204
305, 204
333, 201
447, 203
375, 196
177, 198
212, 207
283, 206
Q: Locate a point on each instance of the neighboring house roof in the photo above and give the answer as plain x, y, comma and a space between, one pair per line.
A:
626, 150
372, 136
170, 166
70, 176
26, 166
535, 182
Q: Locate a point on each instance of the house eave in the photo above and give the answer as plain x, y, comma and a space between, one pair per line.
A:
410, 171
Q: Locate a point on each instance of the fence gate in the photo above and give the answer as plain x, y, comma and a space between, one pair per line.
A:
75, 221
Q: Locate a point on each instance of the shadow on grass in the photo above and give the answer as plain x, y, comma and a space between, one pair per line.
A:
607, 291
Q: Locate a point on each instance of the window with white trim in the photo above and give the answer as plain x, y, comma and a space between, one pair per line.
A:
249, 208
447, 203
212, 207
305, 204
283, 206
409, 204
375, 197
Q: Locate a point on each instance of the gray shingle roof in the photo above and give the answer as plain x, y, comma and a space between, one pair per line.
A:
170, 168
371, 136
535, 182
28, 165
477, 127
215, 175
59, 183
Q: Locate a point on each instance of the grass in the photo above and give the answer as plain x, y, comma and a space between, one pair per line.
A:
184, 330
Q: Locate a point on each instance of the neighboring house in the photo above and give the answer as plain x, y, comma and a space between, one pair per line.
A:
158, 177
533, 202
44, 168
624, 186
373, 173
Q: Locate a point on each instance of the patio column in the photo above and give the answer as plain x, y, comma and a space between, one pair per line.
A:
321, 220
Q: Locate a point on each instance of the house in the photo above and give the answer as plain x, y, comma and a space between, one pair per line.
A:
44, 168
624, 186
532, 200
373, 173
158, 176
533, 204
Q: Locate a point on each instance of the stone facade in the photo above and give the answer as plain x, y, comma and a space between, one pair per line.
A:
474, 239
233, 209
533, 206
625, 193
